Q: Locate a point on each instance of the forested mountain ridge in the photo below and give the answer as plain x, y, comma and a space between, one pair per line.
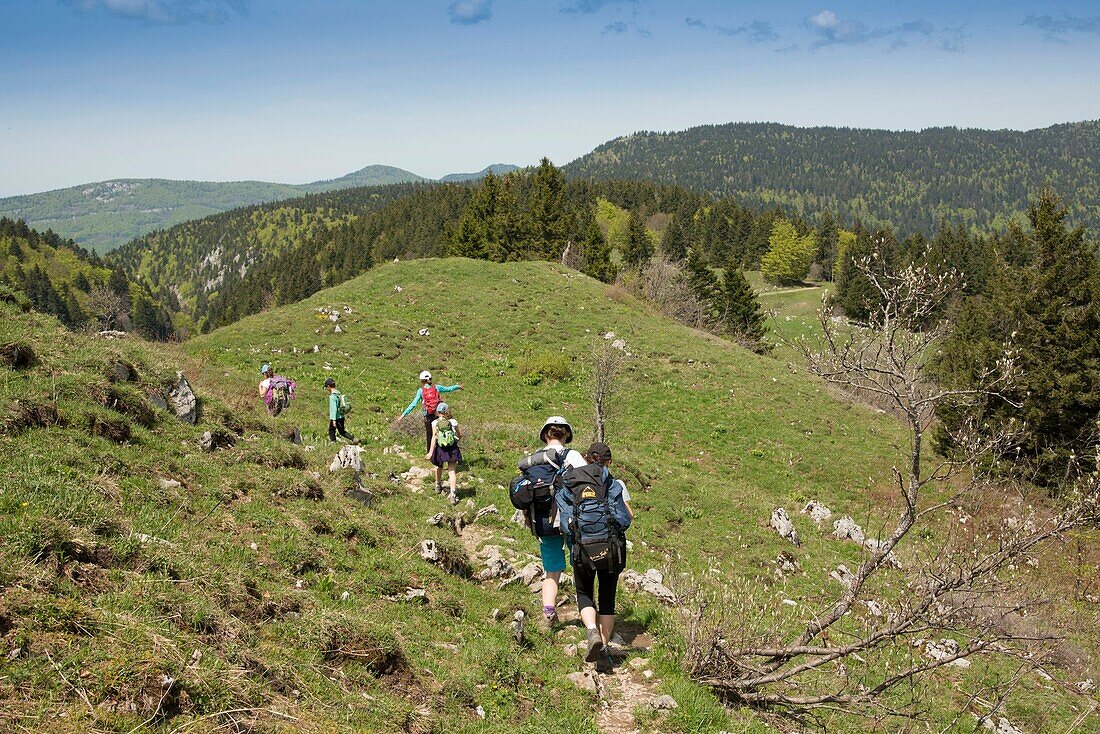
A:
904, 180
496, 168
100, 216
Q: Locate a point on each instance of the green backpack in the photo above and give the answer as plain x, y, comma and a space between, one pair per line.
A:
345, 403
445, 434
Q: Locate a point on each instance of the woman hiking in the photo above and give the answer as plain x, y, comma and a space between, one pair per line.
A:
594, 508
337, 408
542, 519
443, 450
428, 392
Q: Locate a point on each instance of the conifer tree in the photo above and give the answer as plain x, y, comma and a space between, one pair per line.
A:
828, 235
674, 243
595, 254
702, 281
639, 247
549, 220
739, 311
1050, 312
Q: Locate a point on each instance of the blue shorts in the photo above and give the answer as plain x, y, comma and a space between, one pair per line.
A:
552, 550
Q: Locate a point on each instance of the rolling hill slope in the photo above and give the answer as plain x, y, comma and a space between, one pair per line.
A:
253, 595
905, 180
103, 215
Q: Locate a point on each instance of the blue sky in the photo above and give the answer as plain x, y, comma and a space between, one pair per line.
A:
299, 91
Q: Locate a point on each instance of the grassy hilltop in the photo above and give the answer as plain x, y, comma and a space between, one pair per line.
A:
262, 594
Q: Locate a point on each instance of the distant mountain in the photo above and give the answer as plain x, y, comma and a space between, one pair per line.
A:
101, 216
905, 180
370, 176
498, 168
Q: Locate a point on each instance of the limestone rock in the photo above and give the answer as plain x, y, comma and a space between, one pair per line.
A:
781, 523
167, 484
1000, 726
846, 529
664, 703
183, 401
844, 576
430, 552
818, 512
786, 564
348, 457
650, 583
486, 511
583, 680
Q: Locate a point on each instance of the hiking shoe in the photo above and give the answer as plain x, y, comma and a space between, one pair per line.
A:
605, 664
595, 646
452, 497
439, 488
549, 620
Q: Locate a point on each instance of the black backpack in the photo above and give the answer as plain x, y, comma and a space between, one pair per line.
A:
533, 490
598, 541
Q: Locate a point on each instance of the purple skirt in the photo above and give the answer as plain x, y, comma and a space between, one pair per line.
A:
443, 456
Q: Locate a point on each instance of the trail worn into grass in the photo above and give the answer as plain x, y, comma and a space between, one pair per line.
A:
620, 691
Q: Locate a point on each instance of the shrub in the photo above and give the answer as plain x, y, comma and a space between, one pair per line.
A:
535, 368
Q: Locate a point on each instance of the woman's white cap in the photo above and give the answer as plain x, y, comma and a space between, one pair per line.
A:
425, 375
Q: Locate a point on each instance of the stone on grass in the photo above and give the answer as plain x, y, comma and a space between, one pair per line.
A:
818, 512
844, 576
846, 529
430, 552
183, 400
786, 564
781, 523
348, 457
651, 583
486, 511
664, 703
1000, 726
168, 483
583, 680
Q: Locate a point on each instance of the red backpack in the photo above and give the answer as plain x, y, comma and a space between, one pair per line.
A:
430, 395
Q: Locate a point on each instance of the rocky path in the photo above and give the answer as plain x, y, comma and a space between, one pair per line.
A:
630, 685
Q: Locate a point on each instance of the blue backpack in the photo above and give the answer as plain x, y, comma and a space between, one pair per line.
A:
534, 489
598, 540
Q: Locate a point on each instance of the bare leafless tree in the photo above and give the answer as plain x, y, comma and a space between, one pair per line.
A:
608, 356
107, 308
663, 283
954, 590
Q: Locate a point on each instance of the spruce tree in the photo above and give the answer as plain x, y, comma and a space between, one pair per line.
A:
674, 244
828, 236
702, 281
639, 247
739, 311
595, 258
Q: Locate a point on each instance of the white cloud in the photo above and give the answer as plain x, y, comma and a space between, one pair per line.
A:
825, 19
470, 12
165, 12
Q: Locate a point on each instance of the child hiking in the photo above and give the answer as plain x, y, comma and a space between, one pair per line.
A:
338, 407
276, 390
443, 450
595, 513
428, 393
533, 493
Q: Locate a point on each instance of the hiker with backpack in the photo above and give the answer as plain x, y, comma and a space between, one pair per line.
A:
443, 450
338, 407
594, 512
276, 390
533, 492
428, 393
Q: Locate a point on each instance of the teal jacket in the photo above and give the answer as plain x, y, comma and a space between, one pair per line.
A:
334, 412
420, 394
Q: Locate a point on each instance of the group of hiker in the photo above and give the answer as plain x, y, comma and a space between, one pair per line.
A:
569, 500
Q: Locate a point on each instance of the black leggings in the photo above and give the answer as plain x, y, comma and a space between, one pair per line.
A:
585, 581
428, 421
332, 429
